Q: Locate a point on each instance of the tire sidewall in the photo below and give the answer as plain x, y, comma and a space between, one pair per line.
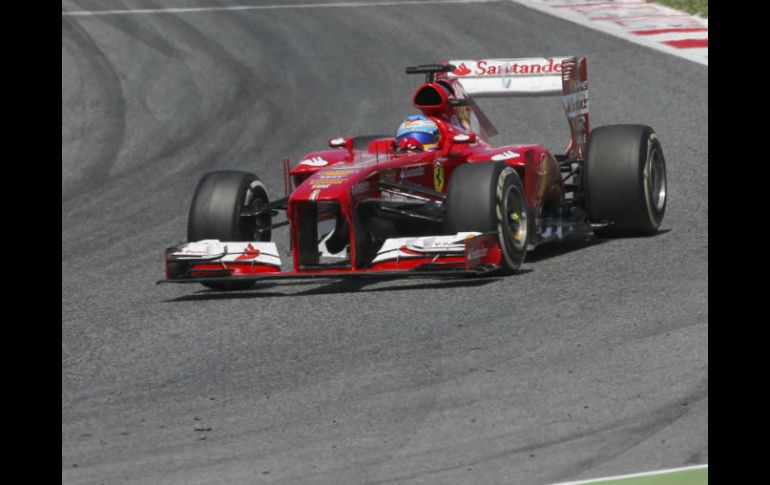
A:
508, 180
219, 197
654, 214
215, 208
258, 190
476, 201
616, 186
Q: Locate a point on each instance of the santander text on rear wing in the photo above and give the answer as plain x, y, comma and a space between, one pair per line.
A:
533, 76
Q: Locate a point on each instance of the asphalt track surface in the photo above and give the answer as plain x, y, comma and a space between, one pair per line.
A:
593, 361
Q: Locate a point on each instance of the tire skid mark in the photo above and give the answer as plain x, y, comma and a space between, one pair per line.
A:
617, 438
639, 428
209, 136
138, 31
111, 108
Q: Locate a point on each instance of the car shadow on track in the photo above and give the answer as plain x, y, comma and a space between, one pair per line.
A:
554, 249
575, 243
336, 287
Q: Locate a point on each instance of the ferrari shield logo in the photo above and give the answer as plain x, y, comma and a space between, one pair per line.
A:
438, 177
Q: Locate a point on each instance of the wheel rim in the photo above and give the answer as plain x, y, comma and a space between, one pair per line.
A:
250, 227
655, 180
515, 219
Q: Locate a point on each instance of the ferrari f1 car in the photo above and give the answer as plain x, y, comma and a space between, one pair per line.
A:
399, 206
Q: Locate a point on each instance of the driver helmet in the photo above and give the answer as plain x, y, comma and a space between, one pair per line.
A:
422, 129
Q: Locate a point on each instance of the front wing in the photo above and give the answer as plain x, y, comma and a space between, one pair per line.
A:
214, 261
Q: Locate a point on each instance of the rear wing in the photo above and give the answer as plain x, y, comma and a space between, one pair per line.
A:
533, 76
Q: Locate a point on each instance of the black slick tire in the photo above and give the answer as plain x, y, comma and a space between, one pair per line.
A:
625, 180
215, 213
489, 197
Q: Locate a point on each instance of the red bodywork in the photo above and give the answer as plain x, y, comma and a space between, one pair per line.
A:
352, 177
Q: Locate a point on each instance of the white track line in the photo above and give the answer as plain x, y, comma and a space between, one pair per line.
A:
235, 8
635, 475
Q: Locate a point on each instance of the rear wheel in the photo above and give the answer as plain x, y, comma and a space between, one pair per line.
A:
215, 213
625, 180
489, 197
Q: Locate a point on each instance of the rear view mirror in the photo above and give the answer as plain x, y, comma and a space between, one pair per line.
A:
463, 138
341, 142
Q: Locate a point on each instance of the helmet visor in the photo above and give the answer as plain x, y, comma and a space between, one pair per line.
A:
421, 136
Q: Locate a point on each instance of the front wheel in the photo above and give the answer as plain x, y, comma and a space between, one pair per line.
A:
489, 197
625, 180
215, 213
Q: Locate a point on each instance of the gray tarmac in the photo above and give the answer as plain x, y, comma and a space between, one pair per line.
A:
592, 361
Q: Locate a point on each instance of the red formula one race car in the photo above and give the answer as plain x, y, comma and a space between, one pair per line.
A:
436, 199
